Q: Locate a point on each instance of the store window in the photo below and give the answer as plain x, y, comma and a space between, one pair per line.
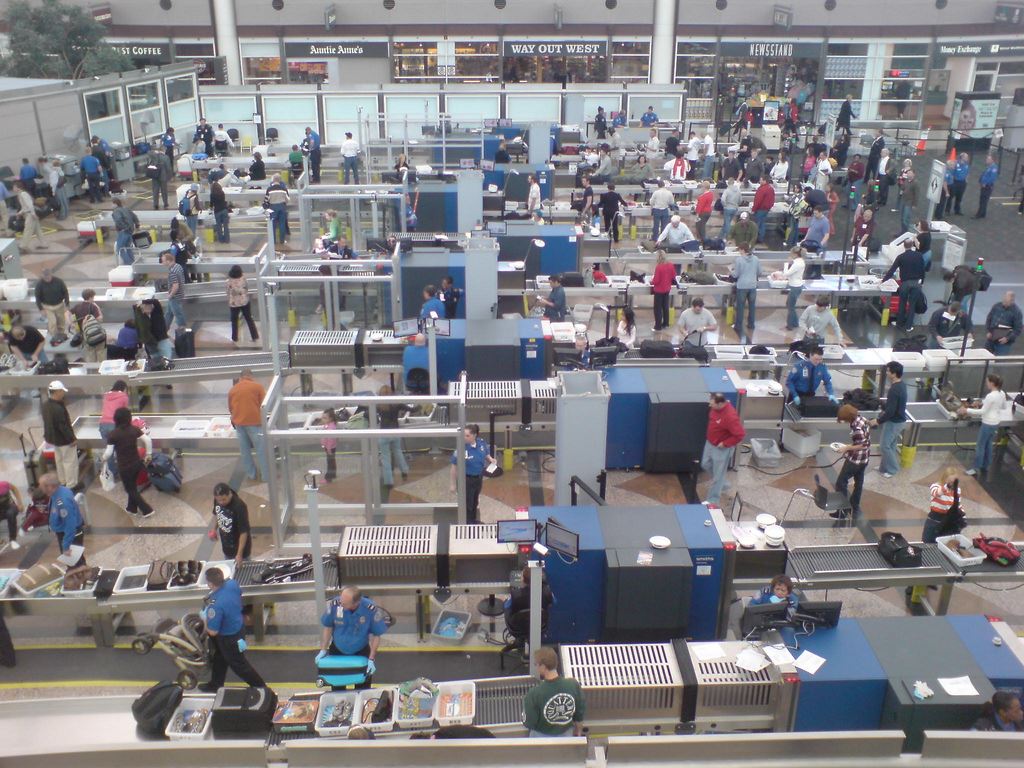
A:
902, 80
203, 56
466, 61
261, 63
146, 109
695, 71
631, 62
886, 80
314, 72
181, 103
414, 61
477, 62
106, 118
541, 61
750, 73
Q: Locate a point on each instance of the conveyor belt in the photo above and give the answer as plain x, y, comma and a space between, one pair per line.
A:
812, 563
249, 571
244, 360
500, 701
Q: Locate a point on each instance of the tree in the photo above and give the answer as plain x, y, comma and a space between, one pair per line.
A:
57, 41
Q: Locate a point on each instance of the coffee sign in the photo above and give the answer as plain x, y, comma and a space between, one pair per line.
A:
555, 48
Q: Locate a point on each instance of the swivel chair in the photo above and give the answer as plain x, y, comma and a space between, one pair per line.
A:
824, 499
517, 633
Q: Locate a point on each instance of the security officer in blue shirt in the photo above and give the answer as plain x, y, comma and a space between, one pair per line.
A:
353, 626
224, 625
478, 458
960, 172
65, 516
987, 181
432, 306
168, 141
946, 200
91, 169
649, 118
313, 146
807, 374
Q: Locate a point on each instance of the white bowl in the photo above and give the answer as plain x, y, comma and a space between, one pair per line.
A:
774, 535
764, 520
660, 542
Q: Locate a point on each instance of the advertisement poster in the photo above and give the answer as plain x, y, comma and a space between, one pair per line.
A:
974, 115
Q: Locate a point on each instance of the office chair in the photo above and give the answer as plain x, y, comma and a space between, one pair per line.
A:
516, 635
831, 501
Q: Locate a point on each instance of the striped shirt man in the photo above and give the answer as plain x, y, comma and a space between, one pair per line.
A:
860, 436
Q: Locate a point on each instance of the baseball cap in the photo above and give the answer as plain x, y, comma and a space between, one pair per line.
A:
744, 215
57, 385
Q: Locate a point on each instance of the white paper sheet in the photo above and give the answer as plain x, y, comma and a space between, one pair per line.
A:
958, 686
74, 557
708, 651
809, 662
751, 660
778, 655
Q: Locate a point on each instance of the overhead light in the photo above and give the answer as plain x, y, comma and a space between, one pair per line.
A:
830, 5
940, 4
165, 4
721, 4
277, 5
389, 5
500, 4
611, 5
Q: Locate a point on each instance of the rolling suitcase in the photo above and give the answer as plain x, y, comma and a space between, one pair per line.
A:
164, 475
184, 343
243, 711
340, 671
654, 348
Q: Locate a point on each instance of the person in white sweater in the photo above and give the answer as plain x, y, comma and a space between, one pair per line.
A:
626, 331
793, 274
990, 413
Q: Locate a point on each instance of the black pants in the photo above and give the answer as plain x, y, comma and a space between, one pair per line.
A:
943, 207
9, 511
364, 651
957, 194
314, 166
246, 312
159, 187
661, 302
855, 472
474, 483
611, 223
79, 540
225, 655
702, 222
332, 464
6, 644
986, 193
883, 189
905, 310
129, 476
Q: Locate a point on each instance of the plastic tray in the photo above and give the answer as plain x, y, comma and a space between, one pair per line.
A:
779, 284
191, 703
462, 616
911, 361
196, 585
426, 720
833, 352
729, 352
35, 592
960, 562
228, 566
327, 702
935, 359
113, 367
131, 570
460, 716
387, 725
7, 577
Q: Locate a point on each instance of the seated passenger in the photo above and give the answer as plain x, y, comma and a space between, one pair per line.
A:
1003, 713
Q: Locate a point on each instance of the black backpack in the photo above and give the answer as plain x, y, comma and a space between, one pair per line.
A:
56, 367
862, 400
898, 552
155, 707
914, 343
656, 348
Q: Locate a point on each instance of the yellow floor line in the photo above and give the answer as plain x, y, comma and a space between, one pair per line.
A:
278, 648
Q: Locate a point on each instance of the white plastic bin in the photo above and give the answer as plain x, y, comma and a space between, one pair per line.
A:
122, 276
424, 717
191, 706
961, 562
765, 452
328, 704
801, 441
456, 703
16, 289
445, 617
374, 693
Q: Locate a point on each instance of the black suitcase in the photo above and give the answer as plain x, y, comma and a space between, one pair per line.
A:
142, 240
656, 348
243, 711
818, 407
184, 343
572, 280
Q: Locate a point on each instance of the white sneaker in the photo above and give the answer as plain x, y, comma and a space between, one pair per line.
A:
886, 475
15, 545
972, 472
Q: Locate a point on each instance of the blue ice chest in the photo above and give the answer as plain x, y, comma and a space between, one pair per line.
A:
848, 690
999, 663
627, 417
708, 555
578, 613
718, 381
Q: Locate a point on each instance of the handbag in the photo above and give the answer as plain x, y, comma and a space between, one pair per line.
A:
106, 477
160, 574
897, 551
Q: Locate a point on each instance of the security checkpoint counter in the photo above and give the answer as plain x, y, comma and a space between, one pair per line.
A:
933, 417
147, 262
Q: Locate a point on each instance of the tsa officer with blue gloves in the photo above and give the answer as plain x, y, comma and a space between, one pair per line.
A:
432, 305
807, 374
65, 516
353, 626
224, 625
312, 145
478, 458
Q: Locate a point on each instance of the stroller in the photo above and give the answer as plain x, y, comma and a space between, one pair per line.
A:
186, 642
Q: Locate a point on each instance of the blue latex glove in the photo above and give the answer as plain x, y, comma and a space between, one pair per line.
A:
242, 645
202, 613
370, 667
320, 655
796, 399
834, 399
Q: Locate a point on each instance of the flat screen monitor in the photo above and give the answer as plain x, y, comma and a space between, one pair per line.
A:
562, 540
602, 357
757, 618
405, 328
497, 227
442, 326
517, 531
823, 613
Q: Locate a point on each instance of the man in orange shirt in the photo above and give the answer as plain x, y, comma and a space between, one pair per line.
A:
244, 400
705, 204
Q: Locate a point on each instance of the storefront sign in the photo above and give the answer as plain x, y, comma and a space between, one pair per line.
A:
974, 114
768, 49
981, 48
337, 49
782, 17
158, 53
555, 48
102, 14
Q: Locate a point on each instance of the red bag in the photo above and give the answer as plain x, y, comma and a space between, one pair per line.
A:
999, 551
36, 516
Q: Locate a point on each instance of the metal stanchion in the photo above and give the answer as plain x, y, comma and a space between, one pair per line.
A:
312, 501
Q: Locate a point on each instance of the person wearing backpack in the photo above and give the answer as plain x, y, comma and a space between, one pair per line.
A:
190, 207
89, 319
126, 223
990, 413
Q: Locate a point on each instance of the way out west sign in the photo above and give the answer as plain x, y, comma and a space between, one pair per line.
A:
555, 48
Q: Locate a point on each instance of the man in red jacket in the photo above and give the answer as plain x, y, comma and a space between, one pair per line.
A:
725, 431
705, 204
764, 199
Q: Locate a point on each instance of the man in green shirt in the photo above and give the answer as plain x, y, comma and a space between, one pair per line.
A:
555, 706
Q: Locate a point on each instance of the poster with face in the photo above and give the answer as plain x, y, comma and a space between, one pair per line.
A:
975, 116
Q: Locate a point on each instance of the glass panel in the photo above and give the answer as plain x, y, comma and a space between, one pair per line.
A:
525, 109
228, 110
408, 115
415, 47
414, 68
848, 49
1011, 68
262, 70
484, 68
342, 114
556, 69
180, 88
632, 68
463, 48
258, 50
290, 108
473, 109
182, 50
910, 49
633, 48
307, 72
103, 104
695, 66
147, 122
695, 48
183, 116
143, 96
838, 89
667, 108
698, 88
111, 129
740, 79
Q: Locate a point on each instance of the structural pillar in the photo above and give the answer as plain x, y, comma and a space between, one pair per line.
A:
226, 26
663, 42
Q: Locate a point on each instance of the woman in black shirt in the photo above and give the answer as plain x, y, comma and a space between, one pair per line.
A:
257, 171
924, 243
501, 156
123, 443
231, 520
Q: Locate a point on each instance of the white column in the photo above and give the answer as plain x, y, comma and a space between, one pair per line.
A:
227, 39
663, 44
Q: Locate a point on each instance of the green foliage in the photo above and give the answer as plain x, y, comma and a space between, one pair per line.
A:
58, 41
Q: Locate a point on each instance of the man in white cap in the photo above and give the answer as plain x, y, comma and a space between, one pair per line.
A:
675, 234
744, 232
58, 432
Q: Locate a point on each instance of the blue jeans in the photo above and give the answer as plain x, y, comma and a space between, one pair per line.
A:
746, 296
124, 241
716, 461
983, 448
193, 224
891, 431
927, 256
709, 166
661, 218
792, 319
761, 217
932, 525
351, 165
279, 216
220, 226
61, 194
251, 439
175, 312
391, 453
907, 217
106, 429
728, 214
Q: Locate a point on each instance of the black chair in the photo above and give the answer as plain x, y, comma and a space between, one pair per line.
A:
830, 501
233, 134
517, 633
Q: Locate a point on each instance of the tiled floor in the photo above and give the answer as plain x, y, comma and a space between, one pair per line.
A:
178, 528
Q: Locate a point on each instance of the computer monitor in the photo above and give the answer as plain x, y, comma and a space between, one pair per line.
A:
517, 531
405, 328
602, 357
497, 227
823, 613
757, 618
562, 540
442, 326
